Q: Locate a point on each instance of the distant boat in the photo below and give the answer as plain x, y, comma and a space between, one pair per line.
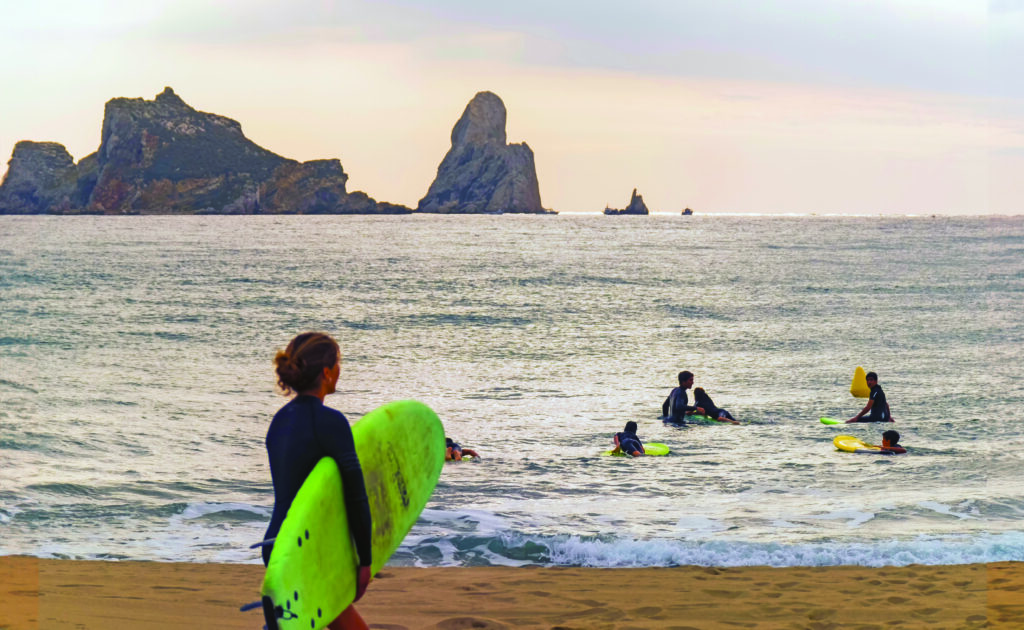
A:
687, 212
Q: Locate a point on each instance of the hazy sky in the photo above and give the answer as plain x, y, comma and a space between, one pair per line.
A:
853, 106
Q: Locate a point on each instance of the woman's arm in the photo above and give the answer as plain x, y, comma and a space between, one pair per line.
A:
335, 436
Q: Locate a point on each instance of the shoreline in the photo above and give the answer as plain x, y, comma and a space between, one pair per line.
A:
47, 593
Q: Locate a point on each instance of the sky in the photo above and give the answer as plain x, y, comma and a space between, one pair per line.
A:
760, 106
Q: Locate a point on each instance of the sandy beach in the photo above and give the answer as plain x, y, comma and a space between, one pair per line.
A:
114, 595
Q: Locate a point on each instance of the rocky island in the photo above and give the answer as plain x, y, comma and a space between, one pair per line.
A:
636, 206
481, 173
164, 157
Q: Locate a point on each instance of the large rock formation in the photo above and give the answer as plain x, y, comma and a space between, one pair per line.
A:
636, 206
481, 173
164, 157
40, 175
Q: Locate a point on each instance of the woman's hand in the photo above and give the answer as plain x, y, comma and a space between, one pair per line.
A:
362, 581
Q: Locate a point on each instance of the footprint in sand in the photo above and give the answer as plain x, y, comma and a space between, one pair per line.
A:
469, 623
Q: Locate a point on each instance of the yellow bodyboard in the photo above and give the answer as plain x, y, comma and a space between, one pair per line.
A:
859, 387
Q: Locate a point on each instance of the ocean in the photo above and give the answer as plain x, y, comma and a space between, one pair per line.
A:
136, 383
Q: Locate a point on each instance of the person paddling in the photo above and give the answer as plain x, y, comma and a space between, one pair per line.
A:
627, 442
453, 451
701, 398
891, 442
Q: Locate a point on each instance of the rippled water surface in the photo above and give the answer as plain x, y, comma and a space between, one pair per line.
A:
136, 385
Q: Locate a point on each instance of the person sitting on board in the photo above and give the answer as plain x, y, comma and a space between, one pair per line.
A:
627, 442
454, 452
304, 431
676, 407
701, 398
877, 409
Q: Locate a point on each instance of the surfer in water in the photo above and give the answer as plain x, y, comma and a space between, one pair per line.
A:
891, 442
701, 399
627, 442
877, 409
304, 431
455, 452
677, 406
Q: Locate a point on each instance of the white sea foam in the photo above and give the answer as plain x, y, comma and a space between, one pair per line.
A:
199, 510
626, 552
945, 509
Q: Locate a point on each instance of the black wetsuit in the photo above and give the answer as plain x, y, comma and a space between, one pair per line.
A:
302, 432
879, 407
629, 442
676, 406
710, 410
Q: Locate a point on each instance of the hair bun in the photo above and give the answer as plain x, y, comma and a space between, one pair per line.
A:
300, 366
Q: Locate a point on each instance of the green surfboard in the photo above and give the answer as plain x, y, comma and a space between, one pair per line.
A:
651, 449
696, 419
311, 576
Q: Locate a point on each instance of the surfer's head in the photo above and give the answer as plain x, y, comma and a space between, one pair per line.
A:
699, 395
871, 376
685, 378
302, 366
891, 438
630, 427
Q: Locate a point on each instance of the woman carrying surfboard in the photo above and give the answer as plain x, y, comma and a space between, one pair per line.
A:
304, 431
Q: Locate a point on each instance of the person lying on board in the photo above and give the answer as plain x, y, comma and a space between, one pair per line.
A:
891, 443
701, 399
677, 406
455, 452
877, 409
627, 442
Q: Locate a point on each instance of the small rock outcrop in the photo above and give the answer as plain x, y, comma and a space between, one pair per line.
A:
636, 206
481, 173
164, 157
40, 176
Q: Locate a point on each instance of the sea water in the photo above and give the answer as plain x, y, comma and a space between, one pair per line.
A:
136, 383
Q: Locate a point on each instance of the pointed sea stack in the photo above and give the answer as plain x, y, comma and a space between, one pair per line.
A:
481, 174
636, 206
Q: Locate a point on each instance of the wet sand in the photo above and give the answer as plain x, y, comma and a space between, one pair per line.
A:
140, 595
